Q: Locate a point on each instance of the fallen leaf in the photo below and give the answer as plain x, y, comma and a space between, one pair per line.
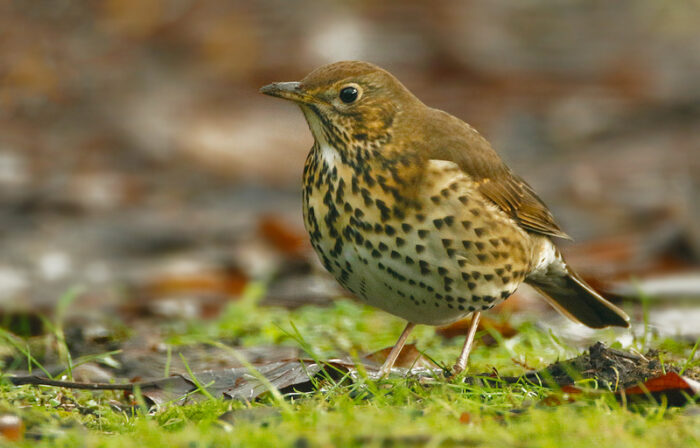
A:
408, 358
199, 293
285, 238
238, 383
226, 281
11, 427
674, 387
461, 328
465, 417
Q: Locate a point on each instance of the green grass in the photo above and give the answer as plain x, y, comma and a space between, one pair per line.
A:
395, 412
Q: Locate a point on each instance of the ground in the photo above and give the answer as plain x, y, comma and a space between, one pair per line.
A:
399, 411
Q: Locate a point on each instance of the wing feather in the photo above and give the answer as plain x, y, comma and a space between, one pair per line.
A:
464, 146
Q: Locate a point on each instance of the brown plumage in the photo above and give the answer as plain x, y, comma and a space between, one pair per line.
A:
412, 210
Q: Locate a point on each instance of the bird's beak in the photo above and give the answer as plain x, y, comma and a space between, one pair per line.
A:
286, 90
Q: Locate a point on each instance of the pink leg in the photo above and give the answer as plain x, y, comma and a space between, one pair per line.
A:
461, 363
394, 353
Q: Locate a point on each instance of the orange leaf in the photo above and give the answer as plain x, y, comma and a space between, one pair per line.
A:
11, 427
668, 382
409, 357
282, 236
461, 327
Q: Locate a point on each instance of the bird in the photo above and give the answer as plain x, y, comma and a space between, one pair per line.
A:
414, 212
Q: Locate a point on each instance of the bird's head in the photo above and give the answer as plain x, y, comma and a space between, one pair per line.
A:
348, 102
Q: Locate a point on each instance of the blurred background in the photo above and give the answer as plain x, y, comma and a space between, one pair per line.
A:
139, 162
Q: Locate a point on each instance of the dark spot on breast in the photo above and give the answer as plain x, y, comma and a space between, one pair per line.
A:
420, 248
423, 267
395, 254
359, 239
383, 209
463, 200
398, 213
479, 231
422, 234
438, 223
435, 199
467, 244
406, 227
400, 241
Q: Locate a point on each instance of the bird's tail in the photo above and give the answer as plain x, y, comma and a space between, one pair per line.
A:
574, 298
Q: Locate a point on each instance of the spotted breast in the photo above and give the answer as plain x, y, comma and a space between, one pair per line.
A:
450, 254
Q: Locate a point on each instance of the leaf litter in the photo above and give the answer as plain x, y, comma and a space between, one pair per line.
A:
628, 375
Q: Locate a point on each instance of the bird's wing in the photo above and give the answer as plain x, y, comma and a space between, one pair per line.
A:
514, 196
475, 157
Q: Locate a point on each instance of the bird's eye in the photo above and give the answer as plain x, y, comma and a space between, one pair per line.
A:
348, 94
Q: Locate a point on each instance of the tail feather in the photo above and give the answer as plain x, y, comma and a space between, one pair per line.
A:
574, 298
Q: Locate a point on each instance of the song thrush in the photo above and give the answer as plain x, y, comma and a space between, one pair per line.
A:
412, 210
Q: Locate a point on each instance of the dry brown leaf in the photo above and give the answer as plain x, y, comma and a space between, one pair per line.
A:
230, 282
674, 387
282, 236
461, 327
409, 357
11, 427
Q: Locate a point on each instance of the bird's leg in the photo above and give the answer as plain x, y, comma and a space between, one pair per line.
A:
394, 353
461, 363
